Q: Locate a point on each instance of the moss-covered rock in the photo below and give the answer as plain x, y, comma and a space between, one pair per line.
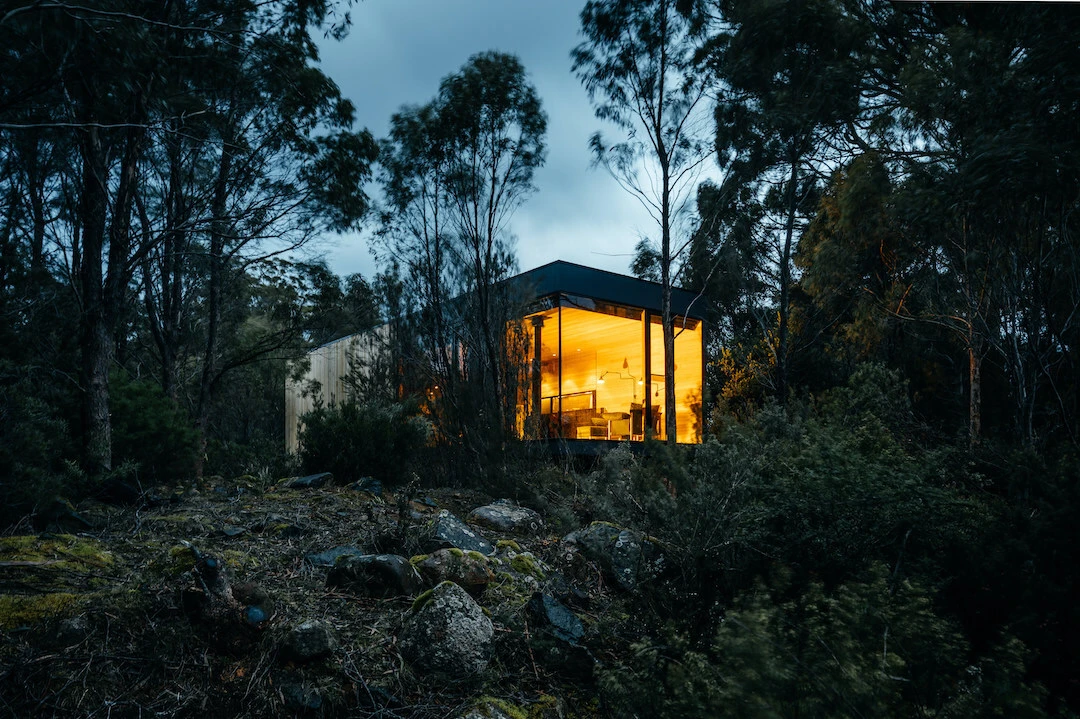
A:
471, 570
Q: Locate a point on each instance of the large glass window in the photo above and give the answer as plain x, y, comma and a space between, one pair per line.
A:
688, 378
587, 376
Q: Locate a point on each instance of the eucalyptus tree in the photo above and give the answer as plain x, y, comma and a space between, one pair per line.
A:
201, 140
638, 65
456, 171
987, 89
793, 80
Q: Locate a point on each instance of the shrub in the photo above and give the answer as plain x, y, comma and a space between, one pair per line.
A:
150, 431
36, 451
354, 439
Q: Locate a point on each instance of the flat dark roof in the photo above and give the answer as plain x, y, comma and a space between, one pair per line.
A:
560, 276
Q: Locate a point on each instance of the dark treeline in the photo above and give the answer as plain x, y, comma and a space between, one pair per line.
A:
900, 186
161, 166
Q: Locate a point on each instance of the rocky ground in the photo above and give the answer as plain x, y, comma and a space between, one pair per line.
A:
303, 597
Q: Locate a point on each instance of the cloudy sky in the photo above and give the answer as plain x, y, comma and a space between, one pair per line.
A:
399, 50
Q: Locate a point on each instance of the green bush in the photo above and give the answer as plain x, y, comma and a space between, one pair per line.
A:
353, 440
870, 647
36, 450
150, 431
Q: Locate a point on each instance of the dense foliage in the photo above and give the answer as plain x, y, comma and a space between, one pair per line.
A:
882, 522
824, 564
160, 170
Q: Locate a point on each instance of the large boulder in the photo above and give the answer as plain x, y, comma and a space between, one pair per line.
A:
447, 633
375, 575
469, 570
503, 515
626, 557
449, 531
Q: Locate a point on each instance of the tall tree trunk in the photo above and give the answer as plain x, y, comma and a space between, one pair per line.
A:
95, 341
219, 228
783, 331
974, 388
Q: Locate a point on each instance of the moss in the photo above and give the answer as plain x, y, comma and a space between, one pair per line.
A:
508, 592
507, 544
526, 564
181, 559
59, 551
169, 519
421, 601
418, 558
486, 706
457, 552
544, 704
240, 560
18, 611
476, 556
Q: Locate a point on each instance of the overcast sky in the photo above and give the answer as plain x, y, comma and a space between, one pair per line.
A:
397, 52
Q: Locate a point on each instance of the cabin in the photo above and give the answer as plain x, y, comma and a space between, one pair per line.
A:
595, 364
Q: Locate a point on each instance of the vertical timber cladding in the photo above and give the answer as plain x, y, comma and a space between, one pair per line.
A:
326, 378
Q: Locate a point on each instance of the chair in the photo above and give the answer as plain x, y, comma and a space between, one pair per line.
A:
637, 421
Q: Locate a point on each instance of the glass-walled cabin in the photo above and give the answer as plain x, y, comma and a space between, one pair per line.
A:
596, 372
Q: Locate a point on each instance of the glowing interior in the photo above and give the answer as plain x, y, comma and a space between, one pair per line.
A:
589, 378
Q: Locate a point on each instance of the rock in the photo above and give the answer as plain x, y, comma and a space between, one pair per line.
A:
232, 530
367, 484
504, 516
258, 604
72, 630
375, 575
330, 556
625, 556
308, 641
61, 515
448, 633
311, 481
255, 617
449, 531
549, 614
469, 570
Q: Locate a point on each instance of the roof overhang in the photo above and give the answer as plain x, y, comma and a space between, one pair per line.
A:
566, 277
